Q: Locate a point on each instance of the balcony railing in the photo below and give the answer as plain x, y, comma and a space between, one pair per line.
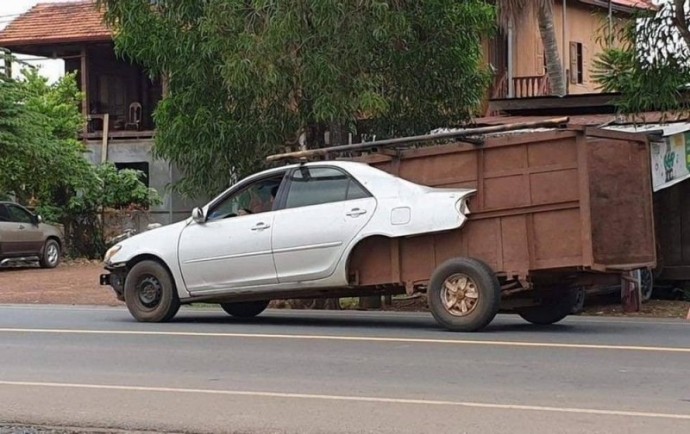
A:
523, 87
532, 85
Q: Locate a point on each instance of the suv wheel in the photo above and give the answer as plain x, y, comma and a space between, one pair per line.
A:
51, 254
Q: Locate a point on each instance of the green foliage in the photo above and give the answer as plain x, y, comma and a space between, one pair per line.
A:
42, 163
647, 61
247, 77
39, 148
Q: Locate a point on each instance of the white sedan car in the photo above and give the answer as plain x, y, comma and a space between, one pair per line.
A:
281, 233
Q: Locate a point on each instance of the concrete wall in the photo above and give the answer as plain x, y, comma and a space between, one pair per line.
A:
161, 175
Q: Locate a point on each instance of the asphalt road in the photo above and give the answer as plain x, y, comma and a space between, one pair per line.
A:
340, 372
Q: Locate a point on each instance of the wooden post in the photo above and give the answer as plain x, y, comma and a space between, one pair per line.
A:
631, 291
85, 90
104, 143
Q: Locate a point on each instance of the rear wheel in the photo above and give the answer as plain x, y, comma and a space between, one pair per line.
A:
553, 308
51, 254
646, 284
245, 309
150, 294
464, 294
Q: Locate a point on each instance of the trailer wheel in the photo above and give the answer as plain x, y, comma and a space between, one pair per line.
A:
579, 304
552, 309
646, 284
464, 294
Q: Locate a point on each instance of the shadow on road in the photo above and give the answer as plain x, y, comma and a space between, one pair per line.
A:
366, 320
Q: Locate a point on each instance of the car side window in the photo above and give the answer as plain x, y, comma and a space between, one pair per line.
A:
320, 185
18, 215
4, 213
255, 198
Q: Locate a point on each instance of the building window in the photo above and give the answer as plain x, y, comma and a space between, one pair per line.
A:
143, 167
577, 70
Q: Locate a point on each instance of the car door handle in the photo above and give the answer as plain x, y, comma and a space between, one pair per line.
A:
21, 227
356, 212
260, 227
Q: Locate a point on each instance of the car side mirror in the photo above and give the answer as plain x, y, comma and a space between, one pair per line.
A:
198, 215
36, 219
39, 219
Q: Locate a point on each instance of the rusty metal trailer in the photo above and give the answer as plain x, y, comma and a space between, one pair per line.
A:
672, 212
555, 209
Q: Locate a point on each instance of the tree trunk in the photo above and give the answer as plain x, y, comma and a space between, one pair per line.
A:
553, 59
337, 133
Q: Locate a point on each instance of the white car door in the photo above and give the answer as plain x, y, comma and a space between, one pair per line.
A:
322, 210
232, 248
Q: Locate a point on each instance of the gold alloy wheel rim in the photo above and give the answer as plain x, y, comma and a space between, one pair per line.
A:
459, 294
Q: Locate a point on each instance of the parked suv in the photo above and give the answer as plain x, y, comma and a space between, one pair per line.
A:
24, 237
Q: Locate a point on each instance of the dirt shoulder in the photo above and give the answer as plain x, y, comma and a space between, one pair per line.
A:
653, 308
69, 283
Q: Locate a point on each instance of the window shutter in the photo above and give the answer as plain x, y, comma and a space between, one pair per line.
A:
585, 63
573, 62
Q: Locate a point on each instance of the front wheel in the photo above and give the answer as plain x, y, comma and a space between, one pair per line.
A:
51, 254
245, 309
150, 294
464, 294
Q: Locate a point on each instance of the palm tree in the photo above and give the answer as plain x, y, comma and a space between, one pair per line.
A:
511, 10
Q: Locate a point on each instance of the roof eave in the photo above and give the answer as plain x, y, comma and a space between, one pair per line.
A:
53, 41
618, 7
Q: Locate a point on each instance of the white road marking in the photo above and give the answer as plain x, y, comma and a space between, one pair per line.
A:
352, 339
381, 400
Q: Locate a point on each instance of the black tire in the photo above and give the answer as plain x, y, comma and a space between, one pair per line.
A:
50, 258
245, 309
554, 307
484, 286
150, 293
646, 285
579, 304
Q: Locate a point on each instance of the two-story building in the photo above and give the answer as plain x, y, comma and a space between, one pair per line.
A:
517, 53
119, 96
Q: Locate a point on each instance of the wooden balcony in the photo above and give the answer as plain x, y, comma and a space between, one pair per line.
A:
523, 87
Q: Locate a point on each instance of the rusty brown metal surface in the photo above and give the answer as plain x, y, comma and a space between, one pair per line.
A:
617, 169
673, 230
546, 202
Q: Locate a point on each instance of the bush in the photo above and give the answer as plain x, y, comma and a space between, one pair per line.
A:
42, 162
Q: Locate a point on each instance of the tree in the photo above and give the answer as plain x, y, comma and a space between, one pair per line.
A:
42, 162
247, 78
647, 60
39, 150
511, 10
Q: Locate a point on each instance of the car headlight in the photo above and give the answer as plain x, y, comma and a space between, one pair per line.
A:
111, 252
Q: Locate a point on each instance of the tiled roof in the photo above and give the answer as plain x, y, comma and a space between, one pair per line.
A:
628, 6
635, 4
81, 21
48, 23
592, 120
